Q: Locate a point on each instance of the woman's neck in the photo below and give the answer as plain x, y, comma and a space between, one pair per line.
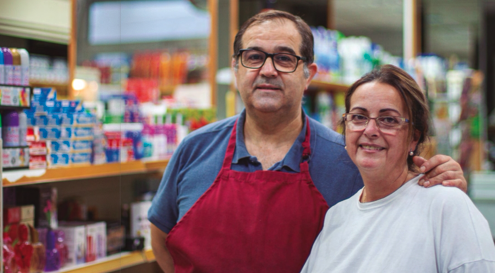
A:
376, 188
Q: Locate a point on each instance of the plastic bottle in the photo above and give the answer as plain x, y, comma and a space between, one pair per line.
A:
8, 62
52, 255
22, 129
24, 66
10, 129
2, 69
16, 66
171, 134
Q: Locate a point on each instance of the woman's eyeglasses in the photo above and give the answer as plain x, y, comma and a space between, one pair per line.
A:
387, 124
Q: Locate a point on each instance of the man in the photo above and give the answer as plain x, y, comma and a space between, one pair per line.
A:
249, 193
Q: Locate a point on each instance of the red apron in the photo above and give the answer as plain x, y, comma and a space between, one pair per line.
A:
262, 221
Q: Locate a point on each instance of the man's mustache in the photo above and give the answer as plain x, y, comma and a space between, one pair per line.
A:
272, 81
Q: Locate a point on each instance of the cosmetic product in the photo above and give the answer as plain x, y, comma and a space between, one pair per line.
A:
10, 129
2, 69
39, 252
52, 255
16, 66
8, 62
24, 66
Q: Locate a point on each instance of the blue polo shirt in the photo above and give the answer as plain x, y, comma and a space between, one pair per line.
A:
198, 159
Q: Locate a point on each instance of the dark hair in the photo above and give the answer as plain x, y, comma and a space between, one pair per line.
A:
414, 101
303, 29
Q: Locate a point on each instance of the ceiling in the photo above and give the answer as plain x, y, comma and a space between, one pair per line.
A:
451, 26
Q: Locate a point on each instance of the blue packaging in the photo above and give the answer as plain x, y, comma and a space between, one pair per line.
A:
44, 94
55, 132
84, 119
82, 132
69, 106
59, 159
81, 145
137, 143
81, 158
59, 146
66, 119
39, 120
112, 154
54, 119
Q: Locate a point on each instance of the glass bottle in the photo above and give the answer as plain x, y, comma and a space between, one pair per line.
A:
52, 255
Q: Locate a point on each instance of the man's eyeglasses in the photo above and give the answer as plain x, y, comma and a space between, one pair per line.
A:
283, 62
387, 124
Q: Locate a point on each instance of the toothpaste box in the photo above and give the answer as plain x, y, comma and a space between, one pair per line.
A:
80, 158
83, 132
59, 146
59, 160
37, 162
84, 119
66, 119
82, 145
44, 94
37, 148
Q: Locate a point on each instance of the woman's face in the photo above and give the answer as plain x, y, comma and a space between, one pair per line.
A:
371, 149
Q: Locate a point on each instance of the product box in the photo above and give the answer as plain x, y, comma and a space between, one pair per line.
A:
59, 146
83, 132
115, 237
66, 119
140, 225
11, 215
27, 215
82, 145
75, 239
37, 148
38, 162
54, 119
59, 160
56, 132
44, 94
84, 119
36, 120
15, 157
80, 158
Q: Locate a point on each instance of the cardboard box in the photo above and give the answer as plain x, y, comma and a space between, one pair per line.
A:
75, 239
140, 226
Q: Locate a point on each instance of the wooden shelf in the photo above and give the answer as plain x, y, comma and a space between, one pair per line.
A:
331, 87
25, 177
61, 88
111, 263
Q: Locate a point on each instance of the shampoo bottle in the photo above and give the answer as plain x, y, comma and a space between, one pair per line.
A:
2, 69
16, 66
8, 62
24, 66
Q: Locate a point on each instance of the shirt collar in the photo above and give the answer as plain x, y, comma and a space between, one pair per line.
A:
291, 160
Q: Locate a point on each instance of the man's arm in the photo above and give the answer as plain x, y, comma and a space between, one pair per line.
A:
160, 250
441, 169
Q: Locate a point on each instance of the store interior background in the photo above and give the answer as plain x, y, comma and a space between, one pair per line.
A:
455, 30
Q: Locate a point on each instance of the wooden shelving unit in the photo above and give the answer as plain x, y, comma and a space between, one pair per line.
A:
25, 177
330, 87
112, 263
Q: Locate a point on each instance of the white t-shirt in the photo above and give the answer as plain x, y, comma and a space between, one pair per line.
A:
414, 229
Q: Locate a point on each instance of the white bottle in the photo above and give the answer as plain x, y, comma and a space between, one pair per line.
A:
22, 129
24, 66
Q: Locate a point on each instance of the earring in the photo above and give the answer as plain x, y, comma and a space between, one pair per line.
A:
345, 147
411, 153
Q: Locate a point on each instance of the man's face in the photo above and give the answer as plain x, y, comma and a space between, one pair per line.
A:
265, 89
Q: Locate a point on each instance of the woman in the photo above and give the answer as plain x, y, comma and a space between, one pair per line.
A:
393, 224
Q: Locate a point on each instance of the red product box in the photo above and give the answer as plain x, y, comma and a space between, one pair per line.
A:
37, 148
11, 215
37, 162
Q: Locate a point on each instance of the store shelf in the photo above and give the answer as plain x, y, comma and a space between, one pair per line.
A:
110, 263
61, 88
331, 87
25, 177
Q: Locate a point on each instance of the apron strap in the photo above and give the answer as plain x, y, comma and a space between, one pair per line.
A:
306, 145
229, 154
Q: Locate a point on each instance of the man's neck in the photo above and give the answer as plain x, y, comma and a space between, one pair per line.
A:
270, 136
